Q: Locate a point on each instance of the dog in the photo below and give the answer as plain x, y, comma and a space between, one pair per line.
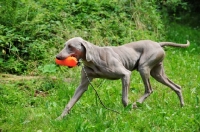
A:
117, 62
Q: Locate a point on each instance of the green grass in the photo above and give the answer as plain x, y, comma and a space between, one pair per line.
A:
21, 111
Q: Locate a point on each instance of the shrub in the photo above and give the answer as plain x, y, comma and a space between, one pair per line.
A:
32, 31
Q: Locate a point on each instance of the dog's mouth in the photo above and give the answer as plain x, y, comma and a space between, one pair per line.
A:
71, 55
78, 60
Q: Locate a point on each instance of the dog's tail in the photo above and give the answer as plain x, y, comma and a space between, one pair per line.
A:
162, 44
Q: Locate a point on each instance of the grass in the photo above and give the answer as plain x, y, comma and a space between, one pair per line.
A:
24, 108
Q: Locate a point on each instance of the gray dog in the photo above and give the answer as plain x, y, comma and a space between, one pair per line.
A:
111, 62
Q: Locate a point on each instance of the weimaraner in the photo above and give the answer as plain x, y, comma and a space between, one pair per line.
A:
112, 62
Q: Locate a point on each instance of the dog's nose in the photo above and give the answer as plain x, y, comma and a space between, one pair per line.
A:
58, 57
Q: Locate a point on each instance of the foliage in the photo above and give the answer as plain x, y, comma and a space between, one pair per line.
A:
184, 12
172, 8
32, 31
22, 108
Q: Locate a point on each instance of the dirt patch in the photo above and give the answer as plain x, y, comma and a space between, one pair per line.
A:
10, 77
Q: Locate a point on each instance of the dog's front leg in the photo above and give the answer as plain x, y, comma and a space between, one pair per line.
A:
125, 87
78, 93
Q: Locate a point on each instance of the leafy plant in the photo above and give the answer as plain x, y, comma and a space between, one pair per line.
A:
48, 68
31, 33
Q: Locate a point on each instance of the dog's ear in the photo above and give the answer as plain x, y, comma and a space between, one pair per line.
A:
89, 50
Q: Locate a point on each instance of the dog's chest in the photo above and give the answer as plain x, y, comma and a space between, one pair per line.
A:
102, 72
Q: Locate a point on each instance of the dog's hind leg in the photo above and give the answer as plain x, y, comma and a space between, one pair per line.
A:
158, 73
145, 74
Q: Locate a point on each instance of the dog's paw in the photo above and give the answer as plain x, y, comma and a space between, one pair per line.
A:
59, 118
134, 106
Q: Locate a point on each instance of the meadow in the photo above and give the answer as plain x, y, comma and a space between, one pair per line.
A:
33, 104
34, 90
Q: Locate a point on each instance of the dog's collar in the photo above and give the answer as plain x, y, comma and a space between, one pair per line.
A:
79, 62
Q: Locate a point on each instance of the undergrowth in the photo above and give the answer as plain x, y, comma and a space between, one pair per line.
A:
33, 105
31, 32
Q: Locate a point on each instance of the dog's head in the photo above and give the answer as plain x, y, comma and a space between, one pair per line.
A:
76, 47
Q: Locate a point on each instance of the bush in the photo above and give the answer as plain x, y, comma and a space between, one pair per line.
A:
33, 31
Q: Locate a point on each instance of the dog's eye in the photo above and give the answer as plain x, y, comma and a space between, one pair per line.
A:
69, 46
